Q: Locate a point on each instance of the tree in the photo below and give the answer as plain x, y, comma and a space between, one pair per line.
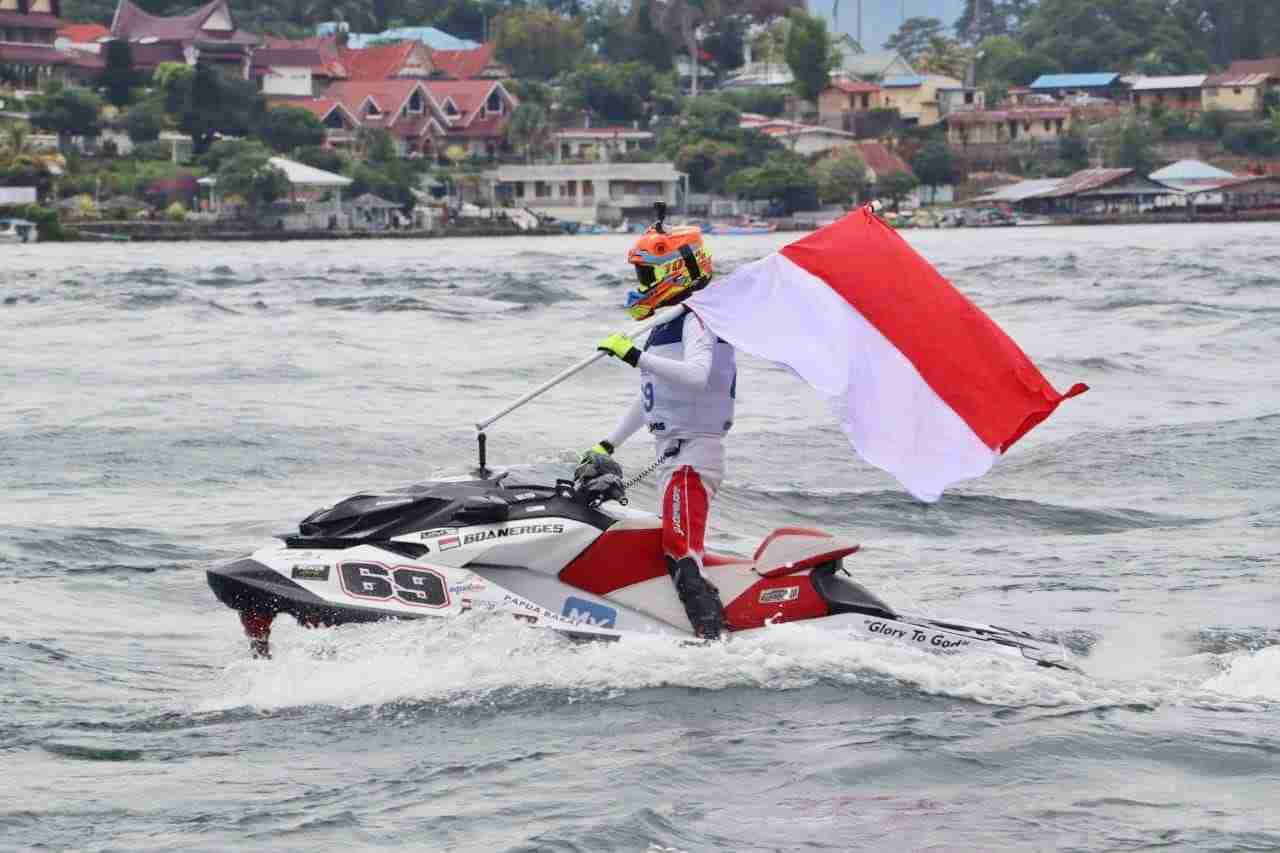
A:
1131, 146
252, 177
934, 164
632, 35
623, 92
287, 128
913, 37
842, 177
529, 128
69, 112
985, 18
118, 76
810, 55
1073, 150
784, 178
208, 103
896, 186
144, 122
537, 43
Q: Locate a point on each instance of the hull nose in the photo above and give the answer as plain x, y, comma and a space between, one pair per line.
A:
249, 586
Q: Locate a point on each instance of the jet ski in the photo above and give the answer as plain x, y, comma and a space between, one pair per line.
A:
561, 558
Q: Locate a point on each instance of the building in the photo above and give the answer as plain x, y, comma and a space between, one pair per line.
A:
426, 118
84, 37
599, 144
844, 97
760, 75
801, 138
875, 66
307, 208
594, 192
960, 99
1078, 87
1100, 192
1269, 67
1237, 92
29, 56
915, 97
429, 36
880, 160
206, 34
1008, 125
1182, 93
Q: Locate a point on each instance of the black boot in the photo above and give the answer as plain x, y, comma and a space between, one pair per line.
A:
700, 597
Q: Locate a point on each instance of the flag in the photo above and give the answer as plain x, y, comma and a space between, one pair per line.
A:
925, 385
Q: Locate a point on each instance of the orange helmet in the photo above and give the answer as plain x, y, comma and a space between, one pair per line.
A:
670, 265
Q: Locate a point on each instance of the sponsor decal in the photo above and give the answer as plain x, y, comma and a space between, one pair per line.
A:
536, 508
472, 584
448, 543
507, 532
579, 611
779, 594
675, 511
309, 572
526, 496
392, 501
439, 531
915, 635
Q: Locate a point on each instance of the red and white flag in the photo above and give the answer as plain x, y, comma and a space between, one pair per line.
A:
926, 386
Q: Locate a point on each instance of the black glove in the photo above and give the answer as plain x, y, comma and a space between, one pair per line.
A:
598, 478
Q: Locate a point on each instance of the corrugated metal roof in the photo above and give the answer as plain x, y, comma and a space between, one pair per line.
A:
1074, 81
1183, 81
1189, 170
1021, 190
1085, 181
902, 81
1230, 79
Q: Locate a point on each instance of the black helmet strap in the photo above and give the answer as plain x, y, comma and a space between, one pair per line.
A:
691, 262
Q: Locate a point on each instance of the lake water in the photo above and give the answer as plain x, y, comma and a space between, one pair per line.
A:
168, 407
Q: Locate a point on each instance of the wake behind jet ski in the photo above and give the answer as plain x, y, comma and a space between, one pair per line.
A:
565, 558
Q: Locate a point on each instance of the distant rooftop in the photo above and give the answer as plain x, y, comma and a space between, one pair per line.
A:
1074, 81
902, 81
1189, 170
430, 36
1184, 81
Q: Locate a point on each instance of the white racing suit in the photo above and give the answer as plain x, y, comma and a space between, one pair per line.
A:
688, 382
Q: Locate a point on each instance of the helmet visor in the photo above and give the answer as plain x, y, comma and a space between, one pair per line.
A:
645, 275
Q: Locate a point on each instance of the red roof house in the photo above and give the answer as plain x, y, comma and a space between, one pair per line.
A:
34, 59
472, 64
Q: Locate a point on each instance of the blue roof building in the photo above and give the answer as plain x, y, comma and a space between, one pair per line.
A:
430, 36
901, 81
1056, 82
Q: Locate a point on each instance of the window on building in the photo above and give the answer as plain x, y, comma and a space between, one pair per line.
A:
1238, 91
541, 189
334, 121
520, 190
450, 108
371, 109
571, 189
968, 97
416, 102
1047, 125
494, 104
588, 189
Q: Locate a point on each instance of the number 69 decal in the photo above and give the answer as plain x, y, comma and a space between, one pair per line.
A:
374, 581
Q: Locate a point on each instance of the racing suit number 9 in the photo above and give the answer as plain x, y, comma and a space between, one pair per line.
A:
646, 391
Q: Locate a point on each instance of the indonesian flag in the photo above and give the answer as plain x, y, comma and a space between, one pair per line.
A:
926, 386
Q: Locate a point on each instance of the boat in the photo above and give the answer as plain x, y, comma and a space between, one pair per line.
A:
750, 226
18, 231
559, 558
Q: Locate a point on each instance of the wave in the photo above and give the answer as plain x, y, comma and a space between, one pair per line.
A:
37, 552
959, 514
490, 664
525, 290
1253, 675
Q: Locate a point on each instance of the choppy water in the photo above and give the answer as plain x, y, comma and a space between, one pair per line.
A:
168, 407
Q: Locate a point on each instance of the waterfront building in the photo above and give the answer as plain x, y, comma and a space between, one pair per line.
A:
1235, 91
589, 192
845, 98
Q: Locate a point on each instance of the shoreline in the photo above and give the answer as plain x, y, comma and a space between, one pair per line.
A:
163, 232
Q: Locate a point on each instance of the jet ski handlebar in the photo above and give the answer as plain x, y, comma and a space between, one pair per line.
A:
634, 331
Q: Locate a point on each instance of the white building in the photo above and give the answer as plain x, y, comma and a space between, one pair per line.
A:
600, 144
588, 192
